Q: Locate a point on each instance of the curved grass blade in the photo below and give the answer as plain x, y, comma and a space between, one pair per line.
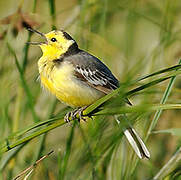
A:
177, 67
173, 131
4, 161
163, 101
31, 128
61, 122
158, 112
152, 83
24, 84
139, 108
169, 166
31, 136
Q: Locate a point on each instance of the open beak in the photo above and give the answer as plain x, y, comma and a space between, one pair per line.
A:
41, 34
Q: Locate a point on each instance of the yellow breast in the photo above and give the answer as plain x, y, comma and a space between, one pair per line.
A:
61, 82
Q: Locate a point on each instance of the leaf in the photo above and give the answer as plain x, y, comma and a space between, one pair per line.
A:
173, 131
138, 108
176, 67
170, 166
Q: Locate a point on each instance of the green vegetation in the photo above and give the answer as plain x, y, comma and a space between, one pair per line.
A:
140, 42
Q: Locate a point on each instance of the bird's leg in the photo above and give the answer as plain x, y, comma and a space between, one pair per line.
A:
72, 114
79, 111
67, 116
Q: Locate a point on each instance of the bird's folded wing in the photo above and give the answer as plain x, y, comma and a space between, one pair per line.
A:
95, 79
91, 70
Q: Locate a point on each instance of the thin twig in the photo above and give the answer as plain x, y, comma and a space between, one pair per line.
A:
27, 176
32, 166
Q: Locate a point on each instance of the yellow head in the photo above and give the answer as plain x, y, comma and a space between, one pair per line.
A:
56, 43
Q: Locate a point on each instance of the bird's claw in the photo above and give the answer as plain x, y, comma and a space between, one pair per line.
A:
73, 115
68, 116
80, 113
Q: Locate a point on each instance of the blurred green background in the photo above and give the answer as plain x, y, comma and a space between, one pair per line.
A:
133, 38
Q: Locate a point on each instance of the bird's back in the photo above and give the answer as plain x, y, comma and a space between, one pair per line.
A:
93, 70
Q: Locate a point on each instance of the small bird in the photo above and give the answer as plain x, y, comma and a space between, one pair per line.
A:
78, 78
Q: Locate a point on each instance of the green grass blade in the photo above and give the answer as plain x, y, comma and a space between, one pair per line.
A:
43, 137
34, 127
31, 136
173, 131
163, 101
139, 108
158, 112
169, 166
24, 84
177, 67
52, 12
34, 6
25, 51
150, 84
65, 158
4, 161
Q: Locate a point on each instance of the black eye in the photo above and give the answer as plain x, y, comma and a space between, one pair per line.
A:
53, 39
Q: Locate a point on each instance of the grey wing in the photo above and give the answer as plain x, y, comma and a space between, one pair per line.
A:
92, 71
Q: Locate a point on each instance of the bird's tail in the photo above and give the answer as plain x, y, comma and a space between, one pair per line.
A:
137, 143
133, 138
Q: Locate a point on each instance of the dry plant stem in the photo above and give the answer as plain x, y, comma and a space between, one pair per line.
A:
169, 166
32, 166
28, 175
